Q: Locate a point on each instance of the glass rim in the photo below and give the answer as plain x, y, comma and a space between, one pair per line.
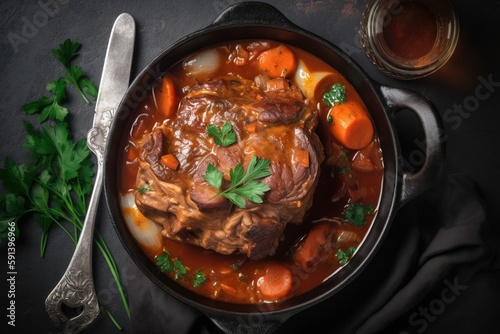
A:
396, 66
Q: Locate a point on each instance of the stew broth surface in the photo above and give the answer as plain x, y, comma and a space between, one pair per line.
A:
344, 180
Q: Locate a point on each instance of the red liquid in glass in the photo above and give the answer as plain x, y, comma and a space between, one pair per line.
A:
411, 30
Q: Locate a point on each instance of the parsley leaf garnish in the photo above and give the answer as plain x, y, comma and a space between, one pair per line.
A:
344, 256
224, 136
165, 263
344, 169
179, 269
335, 95
53, 186
66, 52
145, 188
49, 107
355, 213
213, 176
75, 77
199, 277
243, 184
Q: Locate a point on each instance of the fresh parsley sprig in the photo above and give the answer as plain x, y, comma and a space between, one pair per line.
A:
244, 185
355, 213
344, 256
75, 77
199, 277
336, 95
165, 263
49, 107
224, 136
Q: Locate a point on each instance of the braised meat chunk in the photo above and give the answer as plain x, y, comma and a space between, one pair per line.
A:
270, 120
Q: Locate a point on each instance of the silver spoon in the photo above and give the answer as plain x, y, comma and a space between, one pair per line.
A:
76, 289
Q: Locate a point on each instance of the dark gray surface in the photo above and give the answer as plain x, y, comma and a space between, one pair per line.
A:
472, 142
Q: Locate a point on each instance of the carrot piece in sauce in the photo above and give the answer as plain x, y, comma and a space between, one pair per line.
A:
351, 125
277, 62
227, 289
276, 283
170, 161
315, 246
132, 154
166, 98
251, 128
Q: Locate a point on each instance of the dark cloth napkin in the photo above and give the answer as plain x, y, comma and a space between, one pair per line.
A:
436, 272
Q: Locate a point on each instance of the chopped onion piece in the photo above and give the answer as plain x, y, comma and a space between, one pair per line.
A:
145, 231
307, 80
346, 238
202, 64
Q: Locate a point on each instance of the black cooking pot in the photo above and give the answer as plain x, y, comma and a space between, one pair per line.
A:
253, 20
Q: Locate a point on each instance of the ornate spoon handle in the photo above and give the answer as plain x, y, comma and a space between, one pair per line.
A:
76, 287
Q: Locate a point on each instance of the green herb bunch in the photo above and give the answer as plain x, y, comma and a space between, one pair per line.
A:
344, 256
355, 213
53, 185
244, 184
166, 263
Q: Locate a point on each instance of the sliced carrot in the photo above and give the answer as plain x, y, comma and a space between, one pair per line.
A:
229, 290
276, 283
302, 157
132, 154
252, 127
315, 246
170, 161
351, 125
166, 98
277, 62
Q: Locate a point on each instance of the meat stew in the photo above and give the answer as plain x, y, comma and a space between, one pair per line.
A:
277, 106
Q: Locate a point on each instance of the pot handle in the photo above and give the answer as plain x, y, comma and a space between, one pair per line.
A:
254, 323
252, 13
416, 183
